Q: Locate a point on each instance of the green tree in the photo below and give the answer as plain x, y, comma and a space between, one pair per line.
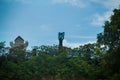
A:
110, 38
2, 44
17, 54
51, 50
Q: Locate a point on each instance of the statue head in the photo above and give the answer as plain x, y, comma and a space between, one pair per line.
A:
61, 35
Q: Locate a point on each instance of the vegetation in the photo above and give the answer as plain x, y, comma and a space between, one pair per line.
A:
2, 44
97, 61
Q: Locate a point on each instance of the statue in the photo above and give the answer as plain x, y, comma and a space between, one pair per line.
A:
61, 37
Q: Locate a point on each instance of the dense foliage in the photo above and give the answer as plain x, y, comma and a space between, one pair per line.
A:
96, 61
110, 38
68, 64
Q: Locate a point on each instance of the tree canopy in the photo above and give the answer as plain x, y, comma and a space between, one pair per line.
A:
92, 61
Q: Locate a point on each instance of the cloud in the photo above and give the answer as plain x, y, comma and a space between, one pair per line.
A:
98, 20
74, 45
110, 4
44, 27
84, 37
76, 3
21, 1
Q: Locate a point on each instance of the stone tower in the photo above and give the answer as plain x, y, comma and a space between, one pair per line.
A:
19, 42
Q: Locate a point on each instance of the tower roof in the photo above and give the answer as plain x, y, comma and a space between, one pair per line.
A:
19, 37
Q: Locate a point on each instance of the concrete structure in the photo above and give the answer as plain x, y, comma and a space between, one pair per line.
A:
19, 42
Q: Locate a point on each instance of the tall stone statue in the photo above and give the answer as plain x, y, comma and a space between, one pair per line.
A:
60, 38
19, 42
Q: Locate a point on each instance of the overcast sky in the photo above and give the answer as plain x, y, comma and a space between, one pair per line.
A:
39, 21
